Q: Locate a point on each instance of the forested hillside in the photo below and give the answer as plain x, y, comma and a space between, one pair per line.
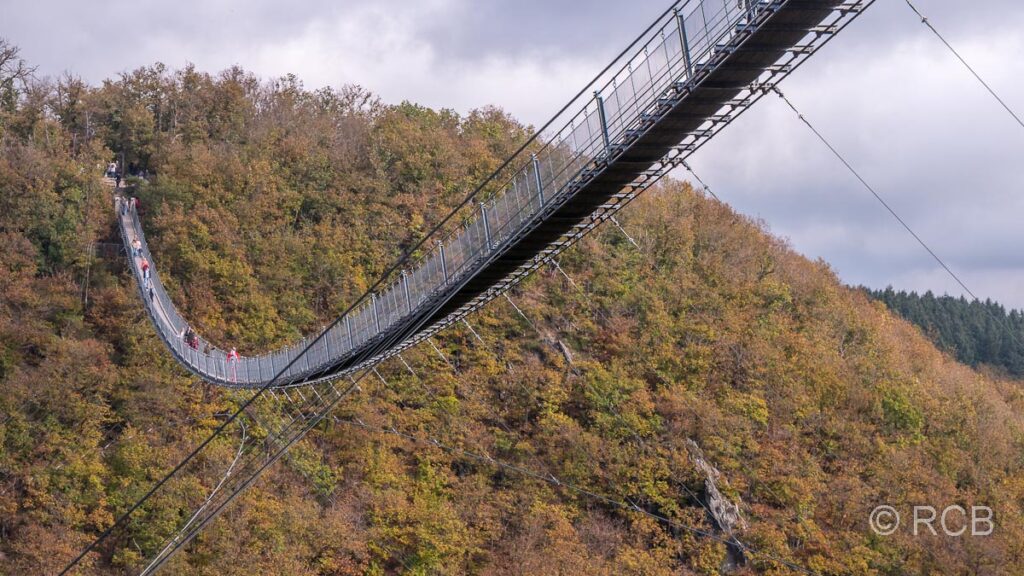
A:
270, 207
975, 332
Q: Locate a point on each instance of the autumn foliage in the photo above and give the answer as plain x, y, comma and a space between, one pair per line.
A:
270, 208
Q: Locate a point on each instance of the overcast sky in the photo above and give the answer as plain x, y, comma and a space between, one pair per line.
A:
889, 95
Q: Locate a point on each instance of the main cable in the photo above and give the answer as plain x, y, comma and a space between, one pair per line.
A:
927, 22
206, 503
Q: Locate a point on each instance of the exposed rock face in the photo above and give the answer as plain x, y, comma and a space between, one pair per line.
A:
565, 351
724, 513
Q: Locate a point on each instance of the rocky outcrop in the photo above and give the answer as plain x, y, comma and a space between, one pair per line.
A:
724, 513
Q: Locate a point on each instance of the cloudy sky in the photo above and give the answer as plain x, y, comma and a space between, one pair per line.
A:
893, 100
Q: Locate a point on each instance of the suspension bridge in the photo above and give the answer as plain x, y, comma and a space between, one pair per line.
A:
695, 69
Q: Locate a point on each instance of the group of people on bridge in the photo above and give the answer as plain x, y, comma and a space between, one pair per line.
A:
114, 172
129, 205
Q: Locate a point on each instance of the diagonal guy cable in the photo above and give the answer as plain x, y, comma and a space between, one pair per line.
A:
926, 22
289, 440
699, 180
472, 331
1002, 321
872, 190
624, 233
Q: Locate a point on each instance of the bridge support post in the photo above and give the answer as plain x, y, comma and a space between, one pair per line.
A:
376, 316
536, 177
681, 22
444, 266
604, 121
405, 288
487, 227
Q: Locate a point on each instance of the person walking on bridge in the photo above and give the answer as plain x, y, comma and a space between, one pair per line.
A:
233, 363
144, 266
190, 337
136, 247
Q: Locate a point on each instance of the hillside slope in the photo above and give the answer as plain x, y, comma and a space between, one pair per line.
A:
270, 207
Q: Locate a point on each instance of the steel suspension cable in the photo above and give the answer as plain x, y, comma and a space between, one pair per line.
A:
309, 423
206, 503
706, 188
871, 189
249, 480
1002, 321
624, 233
927, 22
180, 466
